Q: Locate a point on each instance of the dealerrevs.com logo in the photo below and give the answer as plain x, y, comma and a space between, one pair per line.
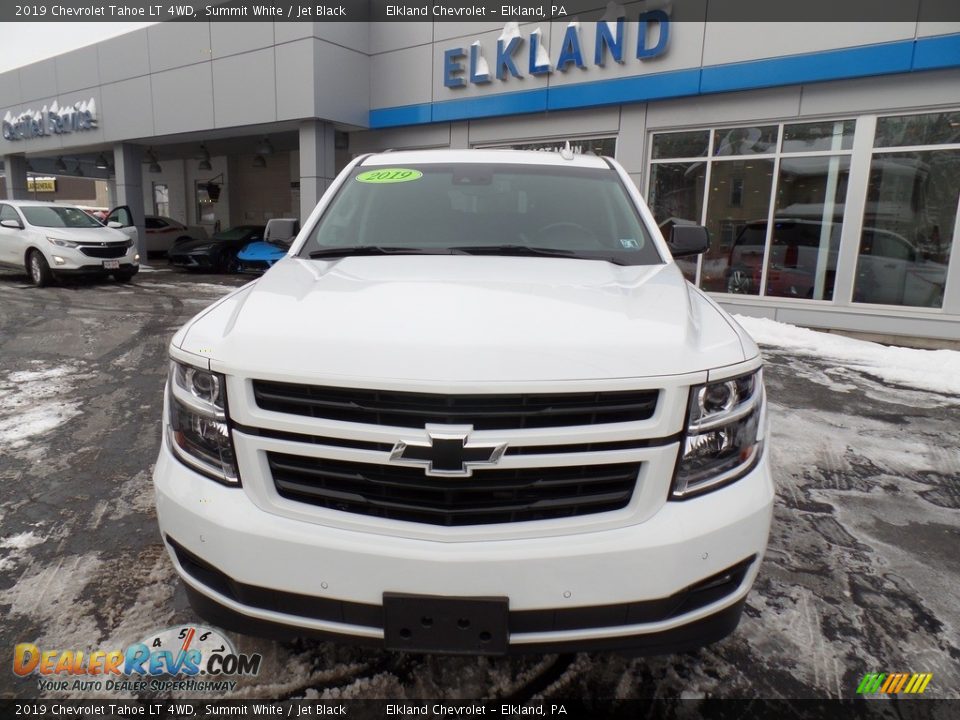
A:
187, 657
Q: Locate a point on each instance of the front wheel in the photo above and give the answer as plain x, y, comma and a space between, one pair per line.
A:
38, 268
739, 282
229, 263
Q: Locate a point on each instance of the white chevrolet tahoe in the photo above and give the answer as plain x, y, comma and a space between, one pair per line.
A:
475, 409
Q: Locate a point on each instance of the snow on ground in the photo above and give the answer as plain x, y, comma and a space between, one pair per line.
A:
32, 403
932, 370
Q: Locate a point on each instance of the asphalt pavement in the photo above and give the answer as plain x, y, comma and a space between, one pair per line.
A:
861, 574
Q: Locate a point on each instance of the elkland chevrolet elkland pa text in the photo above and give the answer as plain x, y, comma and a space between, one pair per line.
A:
475, 409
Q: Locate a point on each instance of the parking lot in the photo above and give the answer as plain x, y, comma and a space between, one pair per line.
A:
860, 575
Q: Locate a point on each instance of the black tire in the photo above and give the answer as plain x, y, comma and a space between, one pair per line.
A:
38, 269
228, 263
124, 276
739, 282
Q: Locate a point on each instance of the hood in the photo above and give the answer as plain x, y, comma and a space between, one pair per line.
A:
263, 250
95, 234
191, 245
456, 318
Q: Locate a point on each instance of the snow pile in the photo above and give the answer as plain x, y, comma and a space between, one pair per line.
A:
32, 402
933, 370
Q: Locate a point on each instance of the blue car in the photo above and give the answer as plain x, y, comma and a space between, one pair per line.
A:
258, 257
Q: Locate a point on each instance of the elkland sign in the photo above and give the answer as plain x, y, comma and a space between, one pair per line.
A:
610, 41
53, 120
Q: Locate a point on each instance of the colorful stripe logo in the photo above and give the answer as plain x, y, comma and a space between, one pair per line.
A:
894, 683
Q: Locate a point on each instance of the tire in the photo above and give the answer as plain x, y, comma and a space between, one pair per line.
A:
229, 263
739, 282
125, 276
38, 269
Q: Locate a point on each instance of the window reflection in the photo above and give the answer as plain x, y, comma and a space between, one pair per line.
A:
908, 227
806, 232
676, 198
739, 202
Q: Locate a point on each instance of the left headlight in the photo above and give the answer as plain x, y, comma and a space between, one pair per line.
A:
62, 243
721, 443
198, 427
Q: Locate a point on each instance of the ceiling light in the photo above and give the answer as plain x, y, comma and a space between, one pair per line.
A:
259, 161
60, 165
78, 170
264, 147
155, 167
102, 163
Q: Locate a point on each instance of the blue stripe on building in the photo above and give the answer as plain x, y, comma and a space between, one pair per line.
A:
929, 53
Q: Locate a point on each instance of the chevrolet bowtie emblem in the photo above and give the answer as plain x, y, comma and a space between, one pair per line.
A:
448, 453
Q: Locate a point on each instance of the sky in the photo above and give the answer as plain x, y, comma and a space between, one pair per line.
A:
27, 42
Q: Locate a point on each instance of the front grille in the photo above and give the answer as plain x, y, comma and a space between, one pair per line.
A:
484, 412
397, 492
110, 251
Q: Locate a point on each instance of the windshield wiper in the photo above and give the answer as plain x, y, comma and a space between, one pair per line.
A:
345, 251
516, 250
528, 251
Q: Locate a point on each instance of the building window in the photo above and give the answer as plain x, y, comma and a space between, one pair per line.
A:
772, 197
911, 211
161, 199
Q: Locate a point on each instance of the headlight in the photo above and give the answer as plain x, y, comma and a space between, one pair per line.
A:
198, 427
62, 243
720, 444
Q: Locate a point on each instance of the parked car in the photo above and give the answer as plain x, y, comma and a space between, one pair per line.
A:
48, 240
258, 257
219, 253
476, 409
162, 233
795, 250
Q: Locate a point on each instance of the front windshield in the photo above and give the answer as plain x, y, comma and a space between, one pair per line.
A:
58, 217
476, 208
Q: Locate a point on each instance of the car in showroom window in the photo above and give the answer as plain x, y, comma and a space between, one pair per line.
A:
48, 241
481, 404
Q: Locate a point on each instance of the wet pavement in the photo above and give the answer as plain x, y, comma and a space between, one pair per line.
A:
861, 574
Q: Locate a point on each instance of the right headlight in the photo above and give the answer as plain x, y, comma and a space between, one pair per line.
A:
721, 442
197, 426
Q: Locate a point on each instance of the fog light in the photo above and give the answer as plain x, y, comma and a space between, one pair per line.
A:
136, 258
59, 260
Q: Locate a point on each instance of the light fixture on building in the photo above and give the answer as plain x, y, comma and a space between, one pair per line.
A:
264, 147
152, 159
60, 165
204, 158
259, 161
102, 163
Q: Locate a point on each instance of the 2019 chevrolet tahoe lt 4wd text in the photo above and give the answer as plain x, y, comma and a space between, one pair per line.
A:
475, 409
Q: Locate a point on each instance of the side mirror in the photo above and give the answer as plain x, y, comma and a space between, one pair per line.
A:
688, 240
114, 224
12, 224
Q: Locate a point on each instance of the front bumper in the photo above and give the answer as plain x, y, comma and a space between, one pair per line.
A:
627, 587
98, 270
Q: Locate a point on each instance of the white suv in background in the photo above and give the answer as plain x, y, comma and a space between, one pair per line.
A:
475, 409
49, 240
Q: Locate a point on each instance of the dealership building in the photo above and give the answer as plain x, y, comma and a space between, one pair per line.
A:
823, 157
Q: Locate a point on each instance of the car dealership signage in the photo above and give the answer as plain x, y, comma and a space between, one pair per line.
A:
53, 120
611, 42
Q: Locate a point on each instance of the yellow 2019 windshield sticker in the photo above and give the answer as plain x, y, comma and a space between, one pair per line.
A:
389, 175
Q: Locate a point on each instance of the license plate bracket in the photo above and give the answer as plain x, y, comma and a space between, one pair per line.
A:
457, 625
111, 264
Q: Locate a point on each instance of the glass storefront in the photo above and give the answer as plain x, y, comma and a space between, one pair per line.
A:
774, 198
911, 211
